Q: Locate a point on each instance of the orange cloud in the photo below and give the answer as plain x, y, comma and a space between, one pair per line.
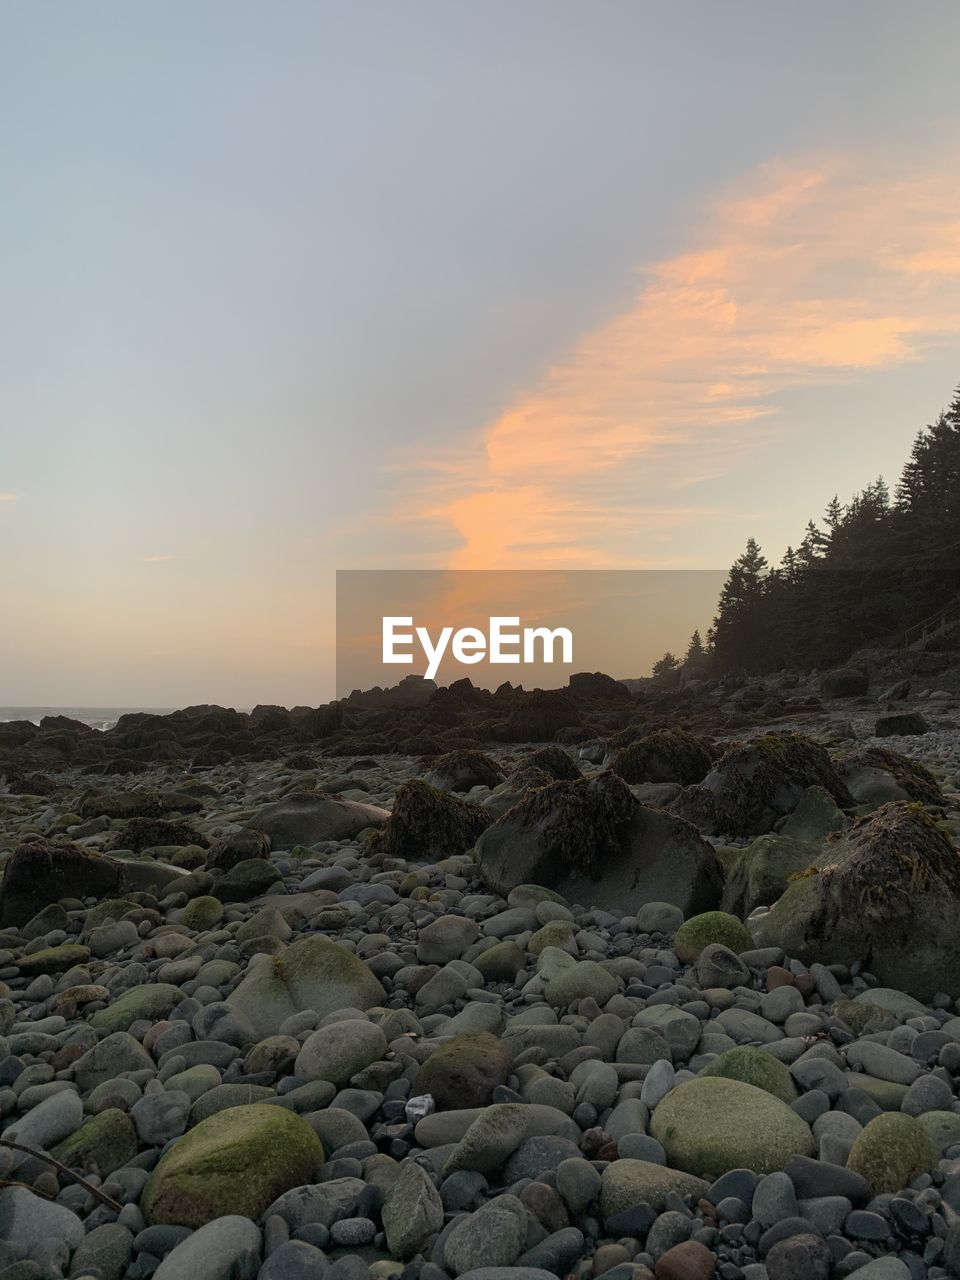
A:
806, 274
161, 559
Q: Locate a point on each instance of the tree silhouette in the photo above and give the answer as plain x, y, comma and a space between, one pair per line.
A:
875, 568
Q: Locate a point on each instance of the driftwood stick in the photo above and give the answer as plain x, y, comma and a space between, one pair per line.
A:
62, 1168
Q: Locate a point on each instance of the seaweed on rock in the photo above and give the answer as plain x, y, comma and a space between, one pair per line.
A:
667, 755
427, 823
755, 783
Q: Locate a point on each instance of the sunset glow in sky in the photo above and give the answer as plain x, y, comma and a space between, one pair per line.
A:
310, 286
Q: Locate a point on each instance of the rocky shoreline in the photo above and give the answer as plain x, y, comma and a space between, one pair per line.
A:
655, 981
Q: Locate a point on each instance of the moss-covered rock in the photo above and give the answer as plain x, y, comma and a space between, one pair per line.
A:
152, 1001
149, 833
626, 1183
759, 874
668, 755
555, 933
465, 1071
106, 1142
203, 913
886, 892
137, 804
756, 1067
112, 909
711, 1125
237, 1161
566, 980
311, 973
815, 818
501, 962
427, 824
755, 784
53, 959
892, 1150
859, 1015
711, 926
246, 880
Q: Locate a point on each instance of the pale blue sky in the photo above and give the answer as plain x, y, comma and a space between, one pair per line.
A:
259, 263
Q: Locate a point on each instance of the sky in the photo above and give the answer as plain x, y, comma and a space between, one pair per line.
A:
299, 287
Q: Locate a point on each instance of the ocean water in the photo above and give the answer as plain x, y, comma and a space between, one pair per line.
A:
96, 717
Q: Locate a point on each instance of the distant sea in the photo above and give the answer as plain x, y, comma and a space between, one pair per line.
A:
96, 717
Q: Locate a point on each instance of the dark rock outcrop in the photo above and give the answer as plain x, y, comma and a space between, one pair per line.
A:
594, 842
427, 823
754, 784
887, 892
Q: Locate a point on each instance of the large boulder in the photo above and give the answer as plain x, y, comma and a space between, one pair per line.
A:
879, 775
539, 716
815, 818
39, 873
246, 880
237, 1161
901, 724
553, 761
594, 842
845, 682
755, 784
596, 686
710, 1125
307, 817
886, 892
238, 846
137, 804
312, 973
669, 755
427, 824
461, 770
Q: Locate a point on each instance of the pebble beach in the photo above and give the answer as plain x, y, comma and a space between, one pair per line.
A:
662, 993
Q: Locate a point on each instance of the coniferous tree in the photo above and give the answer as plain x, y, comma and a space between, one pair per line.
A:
878, 565
735, 635
665, 665
695, 649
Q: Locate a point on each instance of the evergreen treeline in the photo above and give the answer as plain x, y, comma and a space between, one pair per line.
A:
880, 564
